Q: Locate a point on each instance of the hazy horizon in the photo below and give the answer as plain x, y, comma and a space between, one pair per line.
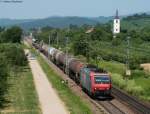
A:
31, 9
69, 16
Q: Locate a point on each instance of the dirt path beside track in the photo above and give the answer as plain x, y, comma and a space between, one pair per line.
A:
49, 101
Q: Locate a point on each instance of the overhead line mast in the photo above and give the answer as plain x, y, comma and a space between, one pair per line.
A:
67, 65
128, 72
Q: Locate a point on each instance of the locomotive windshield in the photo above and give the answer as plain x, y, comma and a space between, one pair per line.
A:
102, 79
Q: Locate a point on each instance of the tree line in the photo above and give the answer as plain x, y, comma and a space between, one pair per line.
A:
100, 43
11, 57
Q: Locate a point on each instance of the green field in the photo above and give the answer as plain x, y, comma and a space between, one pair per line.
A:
137, 84
21, 97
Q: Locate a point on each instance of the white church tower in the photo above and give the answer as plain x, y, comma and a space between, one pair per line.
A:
116, 26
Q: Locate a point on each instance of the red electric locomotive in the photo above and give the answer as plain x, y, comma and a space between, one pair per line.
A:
95, 81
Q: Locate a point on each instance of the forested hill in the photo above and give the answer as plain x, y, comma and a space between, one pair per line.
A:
10, 22
57, 22
136, 21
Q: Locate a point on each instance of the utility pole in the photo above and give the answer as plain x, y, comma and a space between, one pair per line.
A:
66, 43
67, 66
49, 41
57, 39
49, 45
128, 72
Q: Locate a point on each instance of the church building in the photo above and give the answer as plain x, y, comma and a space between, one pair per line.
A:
116, 25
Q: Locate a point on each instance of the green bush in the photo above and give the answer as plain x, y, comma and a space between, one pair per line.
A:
14, 54
129, 85
3, 78
146, 98
118, 80
133, 88
11, 58
11, 35
116, 41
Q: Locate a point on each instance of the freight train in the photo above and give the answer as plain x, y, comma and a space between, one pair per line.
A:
95, 81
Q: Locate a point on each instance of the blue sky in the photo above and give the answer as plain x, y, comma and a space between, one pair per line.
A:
90, 8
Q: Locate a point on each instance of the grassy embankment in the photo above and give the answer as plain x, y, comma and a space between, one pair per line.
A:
21, 97
73, 102
137, 84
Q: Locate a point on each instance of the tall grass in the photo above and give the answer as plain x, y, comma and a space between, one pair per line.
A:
129, 85
74, 103
137, 84
22, 97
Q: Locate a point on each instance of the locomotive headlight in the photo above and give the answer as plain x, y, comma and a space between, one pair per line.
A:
95, 88
107, 88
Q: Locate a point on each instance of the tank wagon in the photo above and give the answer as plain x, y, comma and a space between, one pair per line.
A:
51, 51
55, 53
38, 46
95, 81
74, 67
45, 49
61, 60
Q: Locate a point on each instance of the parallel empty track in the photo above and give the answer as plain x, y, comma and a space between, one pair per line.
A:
110, 107
135, 104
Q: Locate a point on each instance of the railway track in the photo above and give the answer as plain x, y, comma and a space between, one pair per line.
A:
110, 107
136, 105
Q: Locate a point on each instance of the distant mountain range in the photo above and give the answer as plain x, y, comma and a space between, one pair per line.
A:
136, 21
10, 22
61, 22
57, 22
